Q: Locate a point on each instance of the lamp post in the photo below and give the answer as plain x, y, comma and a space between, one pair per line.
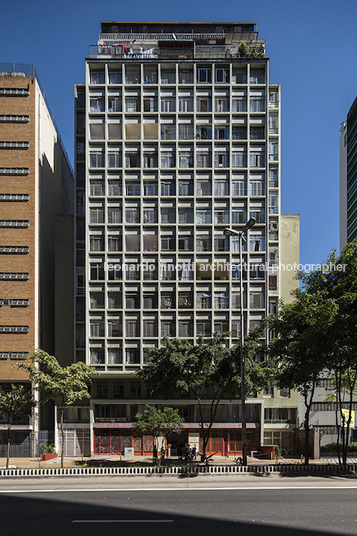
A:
232, 232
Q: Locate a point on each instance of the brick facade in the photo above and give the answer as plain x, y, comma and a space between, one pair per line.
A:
18, 210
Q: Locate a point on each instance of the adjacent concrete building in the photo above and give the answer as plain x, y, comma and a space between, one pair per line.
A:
36, 184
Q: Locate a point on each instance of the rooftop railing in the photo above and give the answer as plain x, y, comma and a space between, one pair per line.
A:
125, 50
160, 36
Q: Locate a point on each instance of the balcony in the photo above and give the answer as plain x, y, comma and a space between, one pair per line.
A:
185, 300
165, 46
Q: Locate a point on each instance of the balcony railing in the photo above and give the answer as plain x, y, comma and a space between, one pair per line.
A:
147, 46
118, 51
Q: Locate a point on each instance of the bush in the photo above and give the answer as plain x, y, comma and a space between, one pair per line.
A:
332, 447
48, 449
243, 49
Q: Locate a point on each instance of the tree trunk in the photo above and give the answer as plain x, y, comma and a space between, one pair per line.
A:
8, 448
336, 418
307, 442
308, 402
206, 431
62, 436
204, 435
154, 450
352, 385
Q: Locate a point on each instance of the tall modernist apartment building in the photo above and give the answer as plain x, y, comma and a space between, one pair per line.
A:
36, 185
177, 138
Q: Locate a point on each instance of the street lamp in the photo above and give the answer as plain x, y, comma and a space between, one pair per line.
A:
232, 232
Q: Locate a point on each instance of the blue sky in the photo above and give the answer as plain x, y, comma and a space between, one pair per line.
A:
313, 55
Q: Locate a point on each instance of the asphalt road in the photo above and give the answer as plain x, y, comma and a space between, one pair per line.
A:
170, 506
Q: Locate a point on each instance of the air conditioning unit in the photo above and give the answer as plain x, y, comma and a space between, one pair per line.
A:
129, 452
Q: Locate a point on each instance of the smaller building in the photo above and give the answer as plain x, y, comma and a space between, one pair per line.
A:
36, 185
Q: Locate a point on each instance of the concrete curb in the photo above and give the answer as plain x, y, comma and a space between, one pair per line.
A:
211, 469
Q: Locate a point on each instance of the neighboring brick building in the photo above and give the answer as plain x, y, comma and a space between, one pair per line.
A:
36, 185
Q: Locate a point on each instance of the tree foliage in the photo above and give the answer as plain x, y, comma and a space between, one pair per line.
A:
157, 422
301, 345
206, 371
317, 334
63, 385
15, 404
339, 282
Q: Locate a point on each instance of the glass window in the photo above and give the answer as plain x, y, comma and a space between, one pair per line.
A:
221, 159
257, 103
114, 159
132, 215
221, 187
204, 75
133, 189
256, 158
115, 77
257, 187
96, 104
185, 188
186, 132
185, 159
168, 188
167, 160
97, 77
203, 187
239, 187
204, 104
203, 216
273, 150
239, 158
239, 104
222, 75
168, 104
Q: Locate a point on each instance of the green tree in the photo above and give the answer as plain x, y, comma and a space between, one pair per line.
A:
206, 371
158, 423
337, 279
301, 346
15, 405
63, 385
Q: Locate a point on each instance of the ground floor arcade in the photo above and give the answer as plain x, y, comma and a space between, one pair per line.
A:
222, 441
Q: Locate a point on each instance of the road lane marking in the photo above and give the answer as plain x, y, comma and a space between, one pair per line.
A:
97, 490
122, 521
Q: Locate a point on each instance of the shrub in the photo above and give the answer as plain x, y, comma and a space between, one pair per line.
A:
48, 449
332, 447
243, 49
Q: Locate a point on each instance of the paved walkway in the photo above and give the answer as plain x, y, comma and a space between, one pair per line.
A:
145, 460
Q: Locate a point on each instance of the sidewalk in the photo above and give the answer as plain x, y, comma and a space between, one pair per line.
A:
29, 463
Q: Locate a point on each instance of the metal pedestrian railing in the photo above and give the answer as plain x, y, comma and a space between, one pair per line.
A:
284, 468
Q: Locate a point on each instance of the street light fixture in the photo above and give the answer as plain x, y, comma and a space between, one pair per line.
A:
240, 233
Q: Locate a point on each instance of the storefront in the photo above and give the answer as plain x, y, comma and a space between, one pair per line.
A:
112, 439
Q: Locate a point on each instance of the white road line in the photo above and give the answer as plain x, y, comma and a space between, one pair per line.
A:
122, 521
216, 488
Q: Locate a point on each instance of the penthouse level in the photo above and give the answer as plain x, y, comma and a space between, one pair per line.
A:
132, 40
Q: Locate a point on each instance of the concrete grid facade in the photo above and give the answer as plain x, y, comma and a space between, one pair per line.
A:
177, 138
